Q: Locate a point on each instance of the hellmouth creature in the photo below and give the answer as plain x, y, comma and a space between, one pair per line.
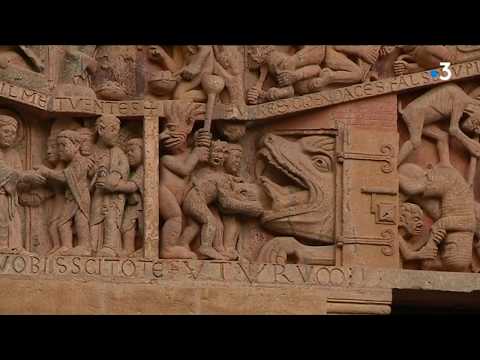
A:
306, 209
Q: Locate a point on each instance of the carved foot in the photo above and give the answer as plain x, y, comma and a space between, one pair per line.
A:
211, 253
58, 250
23, 251
136, 254
107, 252
231, 254
321, 81
78, 251
177, 252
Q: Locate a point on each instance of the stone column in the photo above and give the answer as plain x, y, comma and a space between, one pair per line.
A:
151, 214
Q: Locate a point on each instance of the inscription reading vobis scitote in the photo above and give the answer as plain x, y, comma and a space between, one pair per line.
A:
175, 270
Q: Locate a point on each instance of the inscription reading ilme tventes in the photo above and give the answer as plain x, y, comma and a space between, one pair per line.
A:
175, 270
23, 95
263, 111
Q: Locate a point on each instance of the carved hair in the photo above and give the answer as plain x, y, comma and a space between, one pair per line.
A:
71, 135
234, 147
108, 119
135, 142
409, 209
259, 52
8, 117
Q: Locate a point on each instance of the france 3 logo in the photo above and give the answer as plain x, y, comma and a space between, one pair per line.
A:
445, 69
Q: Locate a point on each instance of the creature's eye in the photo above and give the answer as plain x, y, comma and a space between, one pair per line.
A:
322, 163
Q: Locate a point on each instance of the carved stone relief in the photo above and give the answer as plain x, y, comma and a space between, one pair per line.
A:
273, 154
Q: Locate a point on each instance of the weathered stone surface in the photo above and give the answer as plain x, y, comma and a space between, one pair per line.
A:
237, 179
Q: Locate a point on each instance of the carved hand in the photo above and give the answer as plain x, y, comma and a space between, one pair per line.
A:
437, 233
203, 138
255, 209
37, 177
31, 199
369, 54
189, 72
286, 78
428, 252
253, 95
202, 153
400, 67
105, 184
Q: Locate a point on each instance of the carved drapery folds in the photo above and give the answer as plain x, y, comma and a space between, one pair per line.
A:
380, 171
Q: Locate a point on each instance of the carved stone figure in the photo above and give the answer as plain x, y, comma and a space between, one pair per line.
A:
133, 217
111, 166
446, 102
453, 231
22, 56
310, 69
411, 225
411, 58
115, 74
75, 212
210, 185
231, 223
76, 71
200, 63
162, 82
304, 209
12, 176
229, 65
51, 194
176, 164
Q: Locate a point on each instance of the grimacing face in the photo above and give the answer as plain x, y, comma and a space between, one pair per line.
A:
217, 156
66, 149
135, 155
108, 132
8, 134
173, 136
413, 223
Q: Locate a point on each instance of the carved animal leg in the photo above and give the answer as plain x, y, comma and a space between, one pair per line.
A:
434, 132
414, 121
